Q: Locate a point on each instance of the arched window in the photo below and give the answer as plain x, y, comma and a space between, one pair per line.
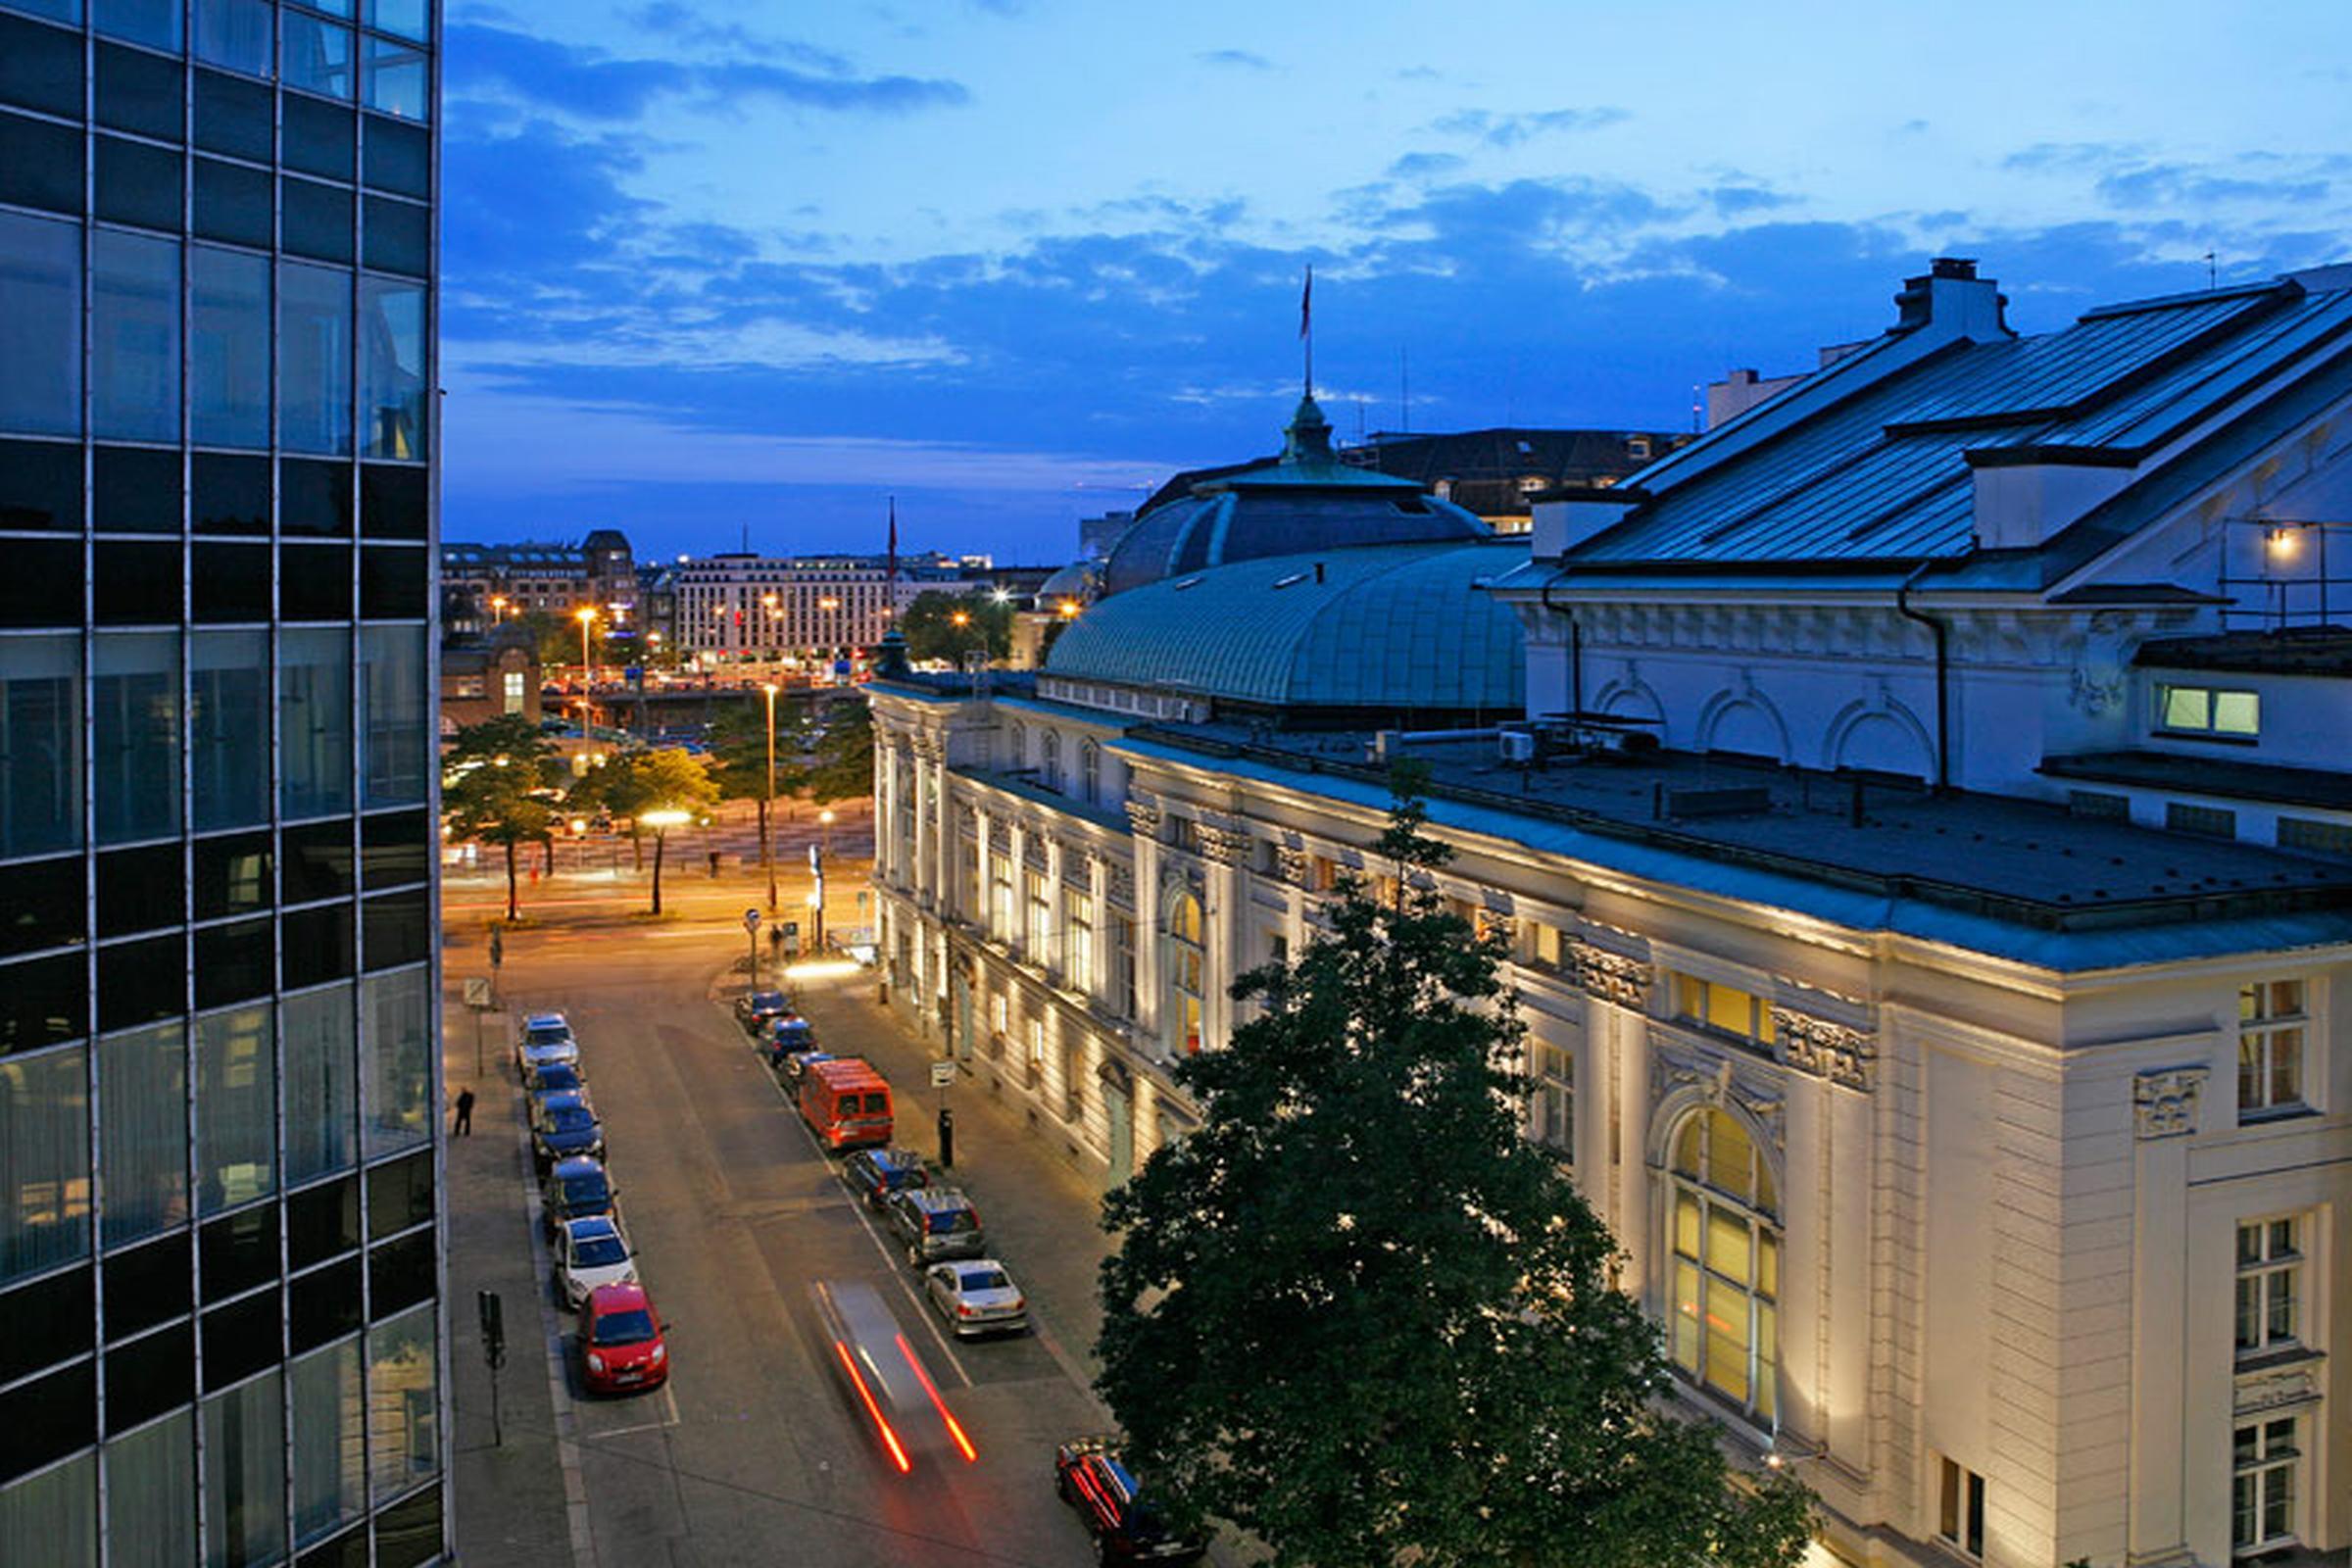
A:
1726, 1283
1185, 962
1049, 760
1090, 772
1017, 748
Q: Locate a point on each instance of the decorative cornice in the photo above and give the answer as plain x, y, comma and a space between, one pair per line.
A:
1143, 817
1120, 888
1034, 855
1844, 1055
2165, 1099
1297, 865
2277, 1389
1225, 846
930, 747
1000, 836
1611, 977
1675, 1064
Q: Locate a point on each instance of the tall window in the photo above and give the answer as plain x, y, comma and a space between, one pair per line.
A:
1551, 1119
1185, 962
1090, 772
1960, 1510
1727, 1262
1017, 747
1123, 965
1037, 932
2270, 1279
512, 691
1000, 894
2271, 1026
2265, 1459
1078, 938
1726, 1009
1049, 760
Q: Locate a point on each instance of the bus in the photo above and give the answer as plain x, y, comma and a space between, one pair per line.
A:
845, 1102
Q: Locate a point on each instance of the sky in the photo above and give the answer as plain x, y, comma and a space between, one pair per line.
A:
728, 270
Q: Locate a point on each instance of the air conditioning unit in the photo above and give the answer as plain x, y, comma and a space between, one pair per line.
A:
1517, 745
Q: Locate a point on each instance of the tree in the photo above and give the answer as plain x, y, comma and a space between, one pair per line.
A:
844, 766
490, 776
666, 789
932, 631
1359, 1316
739, 756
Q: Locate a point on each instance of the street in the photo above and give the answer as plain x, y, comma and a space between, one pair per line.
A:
753, 1452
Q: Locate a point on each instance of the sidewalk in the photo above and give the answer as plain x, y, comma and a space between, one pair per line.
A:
1041, 1214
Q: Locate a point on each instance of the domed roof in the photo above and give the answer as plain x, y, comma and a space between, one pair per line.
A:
1396, 626
1076, 581
1308, 500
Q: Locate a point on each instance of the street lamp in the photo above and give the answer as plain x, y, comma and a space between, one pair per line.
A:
497, 608
587, 616
825, 816
767, 803
767, 629
661, 821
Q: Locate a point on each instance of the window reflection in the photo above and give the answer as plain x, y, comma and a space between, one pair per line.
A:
404, 1400
314, 359
329, 1412
229, 361
245, 1474
236, 1108
148, 22
393, 658
40, 324
235, 33
228, 709
396, 80
151, 1492
316, 56
41, 743
397, 1053
321, 1084
143, 1126
315, 721
44, 1161
134, 337
134, 701
392, 371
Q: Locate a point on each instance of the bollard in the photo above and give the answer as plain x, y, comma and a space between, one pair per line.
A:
947, 1139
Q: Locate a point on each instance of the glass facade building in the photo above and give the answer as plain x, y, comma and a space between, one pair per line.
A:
220, 1252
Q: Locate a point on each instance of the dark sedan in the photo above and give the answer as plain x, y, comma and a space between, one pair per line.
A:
753, 1008
1095, 1480
564, 1124
576, 1189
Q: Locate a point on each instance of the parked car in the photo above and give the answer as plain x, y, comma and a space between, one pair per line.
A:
934, 1223
792, 1069
753, 1008
546, 1038
592, 1251
1095, 1480
621, 1345
554, 1075
788, 1034
577, 1187
564, 1123
976, 1297
873, 1174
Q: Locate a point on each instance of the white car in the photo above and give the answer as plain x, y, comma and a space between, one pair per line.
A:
591, 1252
546, 1038
976, 1297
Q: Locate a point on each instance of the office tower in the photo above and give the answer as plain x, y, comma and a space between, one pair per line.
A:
219, 1250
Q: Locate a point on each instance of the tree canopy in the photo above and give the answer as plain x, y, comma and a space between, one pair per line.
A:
1358, 1316
492, 778
932, 632
844, 754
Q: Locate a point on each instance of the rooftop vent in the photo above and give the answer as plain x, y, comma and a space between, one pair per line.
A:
1949, 295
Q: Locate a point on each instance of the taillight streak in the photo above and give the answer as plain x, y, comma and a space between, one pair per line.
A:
963, 1444
889, 1438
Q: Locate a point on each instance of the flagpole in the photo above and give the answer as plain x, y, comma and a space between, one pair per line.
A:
1306, 327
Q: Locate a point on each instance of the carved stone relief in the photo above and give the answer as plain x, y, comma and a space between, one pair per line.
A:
1143, 817
2164, 1101
1611, 977
1675, 1064
1823, 1049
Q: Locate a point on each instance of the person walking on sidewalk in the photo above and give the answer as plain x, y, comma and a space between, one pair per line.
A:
464, 1126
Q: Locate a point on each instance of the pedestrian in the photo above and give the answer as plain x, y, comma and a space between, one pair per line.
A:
465, 1122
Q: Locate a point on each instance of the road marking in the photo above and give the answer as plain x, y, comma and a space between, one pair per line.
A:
890, 1259
567, 1444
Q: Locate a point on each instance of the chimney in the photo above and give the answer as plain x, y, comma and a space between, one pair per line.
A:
2026, 495
1569, 515
1951, 297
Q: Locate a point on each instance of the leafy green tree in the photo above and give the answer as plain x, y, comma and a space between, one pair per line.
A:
740, 756
1359, 1316
932, 631
490, 776
844, 755
653, 787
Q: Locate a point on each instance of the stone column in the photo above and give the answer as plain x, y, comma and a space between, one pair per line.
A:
920, 870
1143, 817
1225, 911
983, 853
1095, 982
2165, 1107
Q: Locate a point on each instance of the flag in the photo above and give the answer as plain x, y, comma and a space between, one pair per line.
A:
891, 581
1306, 301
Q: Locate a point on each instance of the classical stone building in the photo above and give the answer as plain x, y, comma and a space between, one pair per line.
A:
1970, 1100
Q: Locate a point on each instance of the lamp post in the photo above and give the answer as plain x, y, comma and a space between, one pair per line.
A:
661, 822
831, 606
497, 608
587, 616
767, 631
825, 817
767, 802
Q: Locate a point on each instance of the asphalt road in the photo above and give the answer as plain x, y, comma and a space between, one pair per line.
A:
753, 1453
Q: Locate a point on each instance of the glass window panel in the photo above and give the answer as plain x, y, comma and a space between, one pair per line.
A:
323, 1221
318, 138
408, 17
399, 158
41, 163
1768, 1356
151, 1495
140, 92
330, 1413
134, 694
228, 711
1728, 1245
2187, 707
234, 962
134, 337
26, 597
233, 203
316, 56
392, 379
47, 905
314, 359
143, 1127
228, 361
242, 1338
235, 117
316, 219
396, 78
1731, 1155
1685, 1225
393, 501
396, 847
408, 1535
138, 183
1768, 1264
152, 1374
315, 721
137, 584
40, 68
236, 1108
392, 690
236, 33
316, 862
40, 325
2236, 713
319, 945
140, 982
44, 1161
325, 1304
40, 742
1686, 1316
130, 889
40, 483
396, 1053
148, 22
1727, 1338
49, 1323
230, 495
396, 583
400, 1195
148, 1284
403, 1404
53, 1517
244, 1475
321, 1084
232, 875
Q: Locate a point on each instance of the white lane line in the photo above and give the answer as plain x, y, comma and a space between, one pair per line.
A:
568, 1446
890, 1256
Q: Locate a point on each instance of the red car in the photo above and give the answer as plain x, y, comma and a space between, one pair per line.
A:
620, 1340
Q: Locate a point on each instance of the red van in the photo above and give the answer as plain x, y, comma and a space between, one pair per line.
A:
847, 1102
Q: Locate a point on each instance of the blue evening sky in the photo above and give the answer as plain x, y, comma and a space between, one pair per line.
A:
715, 267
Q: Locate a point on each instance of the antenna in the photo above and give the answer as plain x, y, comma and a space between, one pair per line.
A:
1306, 327
2213, 272
1404, 391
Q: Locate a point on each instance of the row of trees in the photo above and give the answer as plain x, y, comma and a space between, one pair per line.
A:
505, 783
1359, 1316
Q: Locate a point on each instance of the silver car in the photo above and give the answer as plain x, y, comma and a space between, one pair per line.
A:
547, 1038
976, 1297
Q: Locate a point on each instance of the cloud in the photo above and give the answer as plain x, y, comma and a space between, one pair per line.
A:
1426, 166
490, 59
1511, 130
1239, 58
2178, 185
1738, 201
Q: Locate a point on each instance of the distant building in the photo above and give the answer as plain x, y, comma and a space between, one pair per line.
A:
1496, 474
482, 584
738, 607
1742, 390
1095, 536
489, 675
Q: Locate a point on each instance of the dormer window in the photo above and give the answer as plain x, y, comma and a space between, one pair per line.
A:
2208, 711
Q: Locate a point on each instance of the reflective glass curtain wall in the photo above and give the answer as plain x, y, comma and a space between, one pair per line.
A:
218, 1024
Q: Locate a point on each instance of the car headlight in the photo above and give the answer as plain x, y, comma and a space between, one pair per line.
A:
661, 1353
596, 1362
